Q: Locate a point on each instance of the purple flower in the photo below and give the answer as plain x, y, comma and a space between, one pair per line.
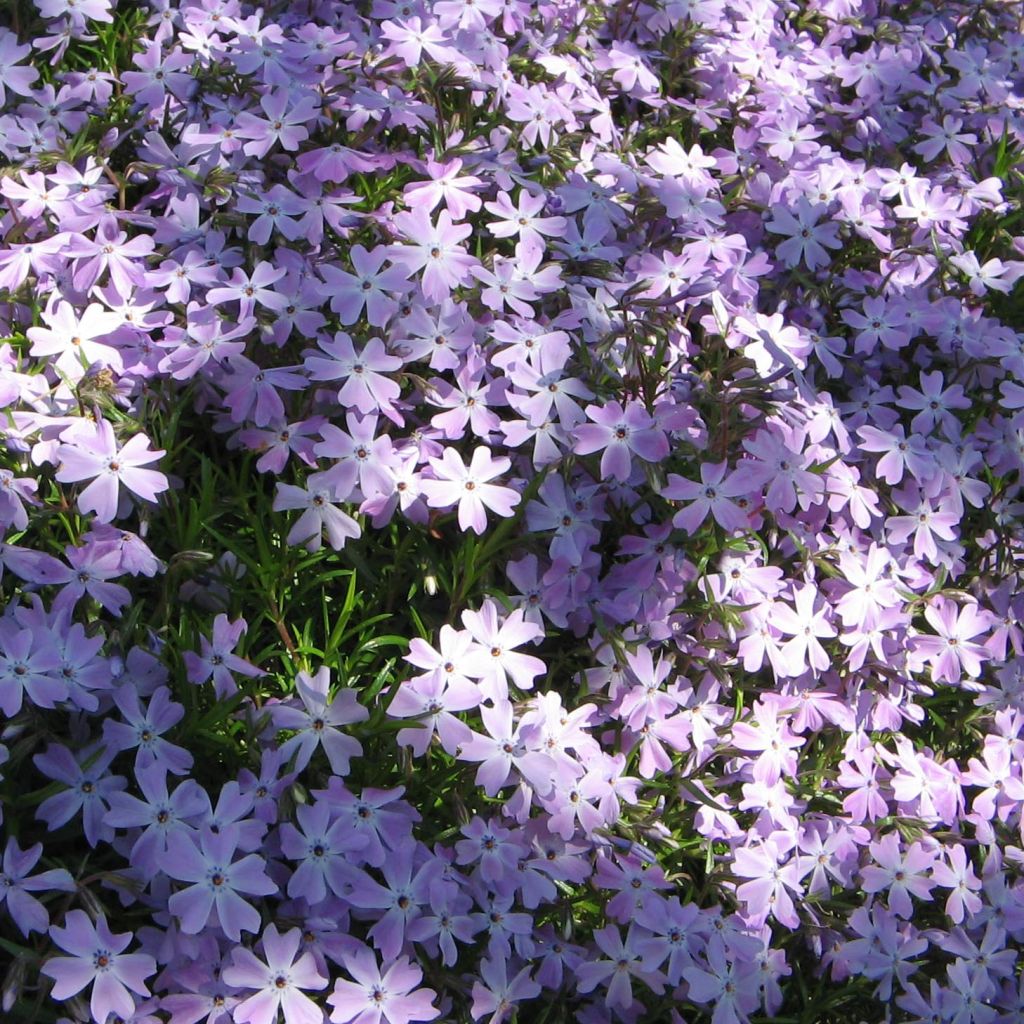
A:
160, 815
324, 849
15, 885
216, 660
97, 956
318, 720
620, 433
89, 789
143, 728
217, 879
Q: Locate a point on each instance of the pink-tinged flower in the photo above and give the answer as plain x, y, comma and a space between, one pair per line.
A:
217, 880
498, 996
712, 495
807, 240
279, 981
445, 184
1003, 789
958, 876
38, 257
619, 434
767, 894
954, 651
409, 39
432, 698
899, 875
16, 884
75, 340
805, 625
365, 385
494, 659
435, 250
90, 451
504, 752
522, 221
97, 957
470, 487
391, 997
111, 251
772, 740
317, 722
993, 274
862, 774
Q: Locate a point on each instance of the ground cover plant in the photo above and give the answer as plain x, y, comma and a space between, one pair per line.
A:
511, 511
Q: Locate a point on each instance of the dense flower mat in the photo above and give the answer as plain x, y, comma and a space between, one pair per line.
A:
511, 510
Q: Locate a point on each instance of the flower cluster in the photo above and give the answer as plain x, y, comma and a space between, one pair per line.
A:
511, 506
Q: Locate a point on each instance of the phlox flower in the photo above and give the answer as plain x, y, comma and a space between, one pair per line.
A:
806, 239
77, 340
216, 659
954, 651
712, 495
956, 873
323, 849
495, 996
143, 729
373, 997
365, 385
728, 983
217, 880
321, 514
504, 752
899, 875
435, 250
470, 487
493, 658
88, 789
772, 885
97, 957
16, 885
91, 452
280, 981
806, 625
160, 815
16, 76
317, 722
28, 667
619, 433
368, 291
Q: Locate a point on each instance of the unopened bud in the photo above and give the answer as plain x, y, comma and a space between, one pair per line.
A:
14, 982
